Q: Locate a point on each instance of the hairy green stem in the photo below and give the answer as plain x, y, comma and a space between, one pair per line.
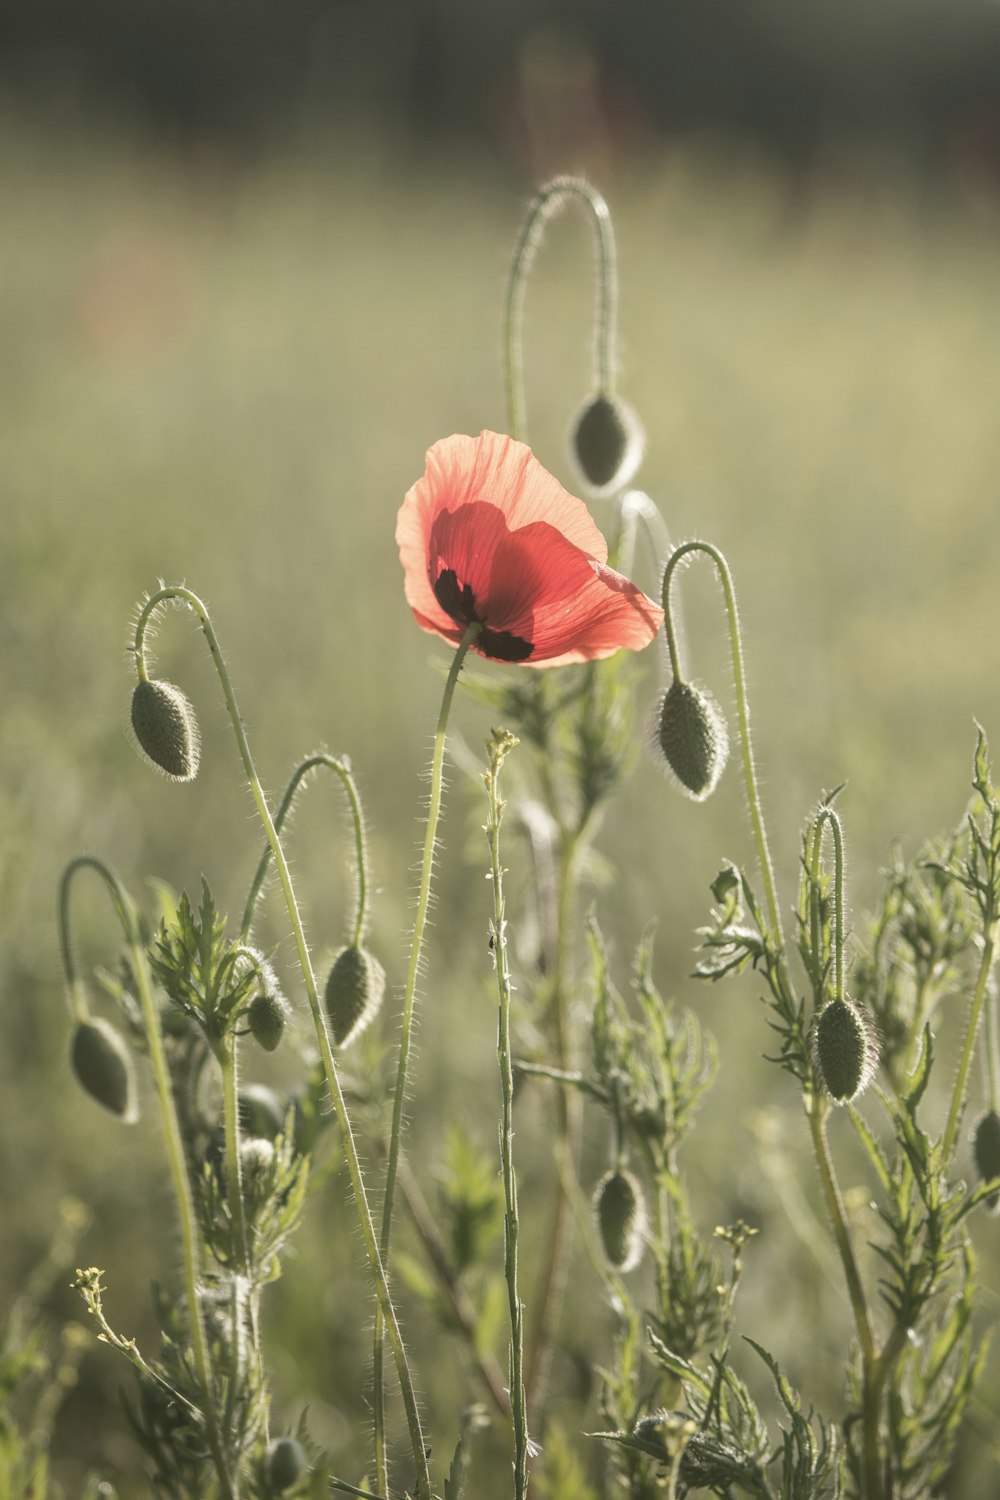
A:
126, 912
743, 711
406, 1027
549, 201
499, 747
551, 1276
815, 1105
827, 818
340, 767
330, 1069
979, 999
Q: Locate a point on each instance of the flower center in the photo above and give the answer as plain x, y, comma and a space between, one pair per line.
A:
459, 603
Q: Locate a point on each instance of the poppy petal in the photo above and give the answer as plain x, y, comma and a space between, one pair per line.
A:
495, 468
571, 607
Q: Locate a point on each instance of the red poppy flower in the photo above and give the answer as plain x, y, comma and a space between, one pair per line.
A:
488, 535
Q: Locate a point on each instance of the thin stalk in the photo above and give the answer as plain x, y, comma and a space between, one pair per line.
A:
548, 201
227, 1057
551, 1277
330, 1069
499, 747
743, 712
950, 1138
827, 818
815, 1106
126, 913
406, 1029
991, 1055
342, 769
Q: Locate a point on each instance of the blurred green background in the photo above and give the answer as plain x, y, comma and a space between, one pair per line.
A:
251, 268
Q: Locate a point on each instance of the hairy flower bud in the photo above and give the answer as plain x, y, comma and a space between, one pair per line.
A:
986, 1150
692, 736
621, 1218
103, 1065
354, 993
606, 444
285, 1463
267, 1017
165, 729
845, 1049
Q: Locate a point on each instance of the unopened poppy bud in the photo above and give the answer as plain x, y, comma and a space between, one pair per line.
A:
285, 1463
692, 736
845, 1050
166, 729
256, 1156
986, 1150
267, 1017
621, 1218
354, 993
606, 443
103, 1065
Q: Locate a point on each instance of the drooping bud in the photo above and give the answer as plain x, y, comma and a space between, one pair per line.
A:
621, 1218
285, 1463
606, 444
165, 729
986, 1151
103, 1066
845, 1049
693, 739
267, 1017
354, 993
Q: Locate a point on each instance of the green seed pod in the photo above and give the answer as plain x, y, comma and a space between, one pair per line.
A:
267, 1016
621, 1218
692, 736
986, 1150
354, 993
103, 1066
165, 729
285, 1463
845, 1049
606, 444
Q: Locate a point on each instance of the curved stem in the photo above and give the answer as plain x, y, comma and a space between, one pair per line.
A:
549, 201
406, 1025
75, 992
330, 1069
499, 747
126, 912
979, 998
827, 818
743, 711
341, 767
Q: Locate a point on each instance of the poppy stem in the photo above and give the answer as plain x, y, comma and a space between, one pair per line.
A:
743, 712
406, 1033
499, 747
384, 1304
127, 916
827, 818
550, 200
340, 767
